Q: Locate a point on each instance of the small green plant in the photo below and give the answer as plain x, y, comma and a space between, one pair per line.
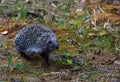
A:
86, 63
65, 59
69, 61
93, 76
20, 67
76, 25
83, 32
9, 59
22, 14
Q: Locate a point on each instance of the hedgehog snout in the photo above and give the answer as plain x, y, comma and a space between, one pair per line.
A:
54, 45
57, 46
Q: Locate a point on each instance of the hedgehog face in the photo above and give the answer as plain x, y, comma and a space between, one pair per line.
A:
49, 41
52, 43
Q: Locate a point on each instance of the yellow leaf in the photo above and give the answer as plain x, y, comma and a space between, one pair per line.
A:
102, 33
91, 34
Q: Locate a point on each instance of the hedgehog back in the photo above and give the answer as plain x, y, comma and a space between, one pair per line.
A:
28, 36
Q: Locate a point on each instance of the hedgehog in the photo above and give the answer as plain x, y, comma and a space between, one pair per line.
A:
36, 39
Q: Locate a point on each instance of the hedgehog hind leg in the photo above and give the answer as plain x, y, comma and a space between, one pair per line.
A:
25, 56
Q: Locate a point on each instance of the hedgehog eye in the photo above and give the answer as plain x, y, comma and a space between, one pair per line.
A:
49, 42
43, 36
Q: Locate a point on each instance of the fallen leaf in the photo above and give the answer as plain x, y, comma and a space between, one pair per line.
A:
80, 23
4, 33
102, 33
117, 62
28, 1
91, 34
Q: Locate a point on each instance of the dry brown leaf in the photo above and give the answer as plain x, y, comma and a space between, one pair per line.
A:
91, 34
80, 23
102, 33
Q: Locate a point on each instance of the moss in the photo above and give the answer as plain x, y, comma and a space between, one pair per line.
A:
64, 36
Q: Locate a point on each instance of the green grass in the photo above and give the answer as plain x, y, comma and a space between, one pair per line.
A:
106, 43
9, 59
23, 68
26, 69
1, 43
22, 14
93, 76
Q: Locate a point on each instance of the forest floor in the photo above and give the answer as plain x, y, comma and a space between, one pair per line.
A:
89, 34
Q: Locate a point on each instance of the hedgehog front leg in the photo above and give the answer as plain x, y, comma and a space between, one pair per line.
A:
46, 59
25, 56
